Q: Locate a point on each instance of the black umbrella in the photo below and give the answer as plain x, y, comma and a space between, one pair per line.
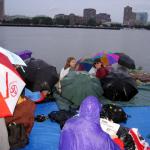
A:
126, 61
119, 87
39, 75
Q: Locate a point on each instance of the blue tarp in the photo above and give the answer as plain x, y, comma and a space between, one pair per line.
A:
139, 118
45, 135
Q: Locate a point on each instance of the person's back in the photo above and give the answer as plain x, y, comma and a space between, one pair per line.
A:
84, 132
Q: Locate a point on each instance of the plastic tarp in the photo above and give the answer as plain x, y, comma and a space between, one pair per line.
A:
139, 118
46, 135
76, 86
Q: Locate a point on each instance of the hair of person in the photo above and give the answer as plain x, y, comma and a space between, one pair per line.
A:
69, 59
96, 61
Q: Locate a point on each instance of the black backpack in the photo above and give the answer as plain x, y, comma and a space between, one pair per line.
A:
61, 116
113, 112
17, 136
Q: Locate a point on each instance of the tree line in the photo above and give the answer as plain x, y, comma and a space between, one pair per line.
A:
47, 21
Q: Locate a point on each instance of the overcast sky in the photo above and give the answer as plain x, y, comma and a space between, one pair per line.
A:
52, 7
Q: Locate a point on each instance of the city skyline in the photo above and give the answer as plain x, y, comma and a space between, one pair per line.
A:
2, 9
53, 7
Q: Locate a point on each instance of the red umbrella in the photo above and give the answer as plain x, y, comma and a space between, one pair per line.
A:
11, 86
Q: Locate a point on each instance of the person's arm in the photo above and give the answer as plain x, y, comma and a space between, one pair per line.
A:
92, 71
63, 73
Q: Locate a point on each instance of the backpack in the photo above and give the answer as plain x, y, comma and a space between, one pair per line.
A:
61, 116
17, 135
113, 112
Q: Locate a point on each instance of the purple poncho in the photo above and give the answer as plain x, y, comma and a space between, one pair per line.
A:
84, 132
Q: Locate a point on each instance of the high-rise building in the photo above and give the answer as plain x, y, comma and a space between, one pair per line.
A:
134, 18
102, 18
75, 20
141, 18
1, 10
88, 14
129, 16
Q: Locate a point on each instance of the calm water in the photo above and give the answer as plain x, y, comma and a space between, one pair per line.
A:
55, 44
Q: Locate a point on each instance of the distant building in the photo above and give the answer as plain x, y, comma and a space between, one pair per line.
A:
75, 20
129, 17
102, 18
59, 16
134, 18
89, 14
61, 19
2, 10
141, 18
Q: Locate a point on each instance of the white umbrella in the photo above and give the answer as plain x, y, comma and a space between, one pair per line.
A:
14, 59
11, 86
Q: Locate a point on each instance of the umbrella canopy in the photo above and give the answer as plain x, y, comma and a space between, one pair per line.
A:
126, 60
14, 59
11, 86
77, 86
107, 58
85, 64
25, 54
118, 86
84, 132
39, 72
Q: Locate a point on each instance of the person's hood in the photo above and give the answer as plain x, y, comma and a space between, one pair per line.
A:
90, 109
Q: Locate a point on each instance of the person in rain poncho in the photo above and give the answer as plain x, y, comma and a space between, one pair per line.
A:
84, 132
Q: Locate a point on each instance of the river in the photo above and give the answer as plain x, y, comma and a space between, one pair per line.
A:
54, 45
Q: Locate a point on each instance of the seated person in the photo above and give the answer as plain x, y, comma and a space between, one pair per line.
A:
84, 132
70, 65
102, 72
96, 65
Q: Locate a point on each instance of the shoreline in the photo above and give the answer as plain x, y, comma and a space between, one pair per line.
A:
61, 26
74, 26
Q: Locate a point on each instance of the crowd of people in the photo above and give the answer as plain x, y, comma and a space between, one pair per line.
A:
82, 131
87, 125
98, 69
